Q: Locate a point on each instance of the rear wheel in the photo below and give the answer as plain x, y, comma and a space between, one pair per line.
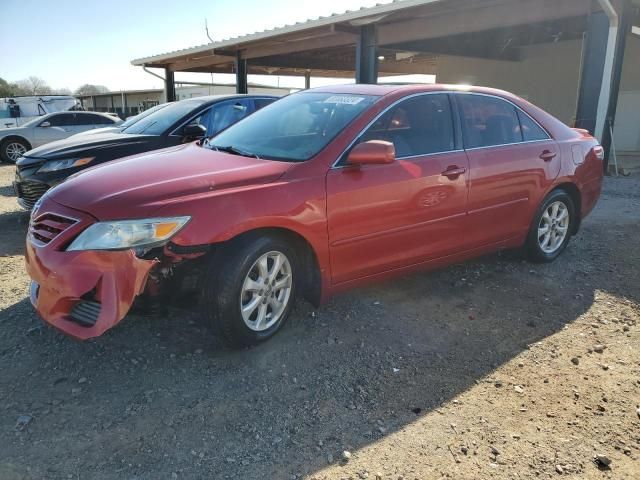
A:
551, 229
250, 289
12, 149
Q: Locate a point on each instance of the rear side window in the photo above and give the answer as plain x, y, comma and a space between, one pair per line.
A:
90, 119
262, 102
420, 125
488, 121
531, 131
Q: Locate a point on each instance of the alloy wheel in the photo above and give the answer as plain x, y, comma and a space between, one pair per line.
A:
266, 291
553, 227
15, 150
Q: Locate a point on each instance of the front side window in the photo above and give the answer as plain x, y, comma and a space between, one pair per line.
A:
226, 113
420, 125
61, 120
159, 121
296, 127
488, 121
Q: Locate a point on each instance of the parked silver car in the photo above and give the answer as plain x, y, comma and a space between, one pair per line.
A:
15, 142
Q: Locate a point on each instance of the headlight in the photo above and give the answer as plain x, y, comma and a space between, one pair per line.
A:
124, 234
55, 165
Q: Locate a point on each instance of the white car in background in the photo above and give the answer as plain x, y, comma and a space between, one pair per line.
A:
15, 142
127, 123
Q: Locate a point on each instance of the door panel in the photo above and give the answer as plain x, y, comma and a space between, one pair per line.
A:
505, 185
388, 216
511, 159
60, 128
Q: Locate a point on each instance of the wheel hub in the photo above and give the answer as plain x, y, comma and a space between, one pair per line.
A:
266, 291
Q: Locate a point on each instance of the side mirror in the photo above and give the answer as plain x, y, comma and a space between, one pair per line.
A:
194, 131
374, 152
239, 107
45, 124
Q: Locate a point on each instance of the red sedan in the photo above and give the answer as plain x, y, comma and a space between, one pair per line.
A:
323, 190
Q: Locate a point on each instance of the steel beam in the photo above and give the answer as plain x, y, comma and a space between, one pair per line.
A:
367, 55
169, 86
241, 74
595, 47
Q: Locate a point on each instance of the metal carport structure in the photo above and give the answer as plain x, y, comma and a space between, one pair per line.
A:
426, 37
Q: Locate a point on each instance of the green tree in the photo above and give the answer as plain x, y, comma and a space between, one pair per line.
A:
89, 89
6, 89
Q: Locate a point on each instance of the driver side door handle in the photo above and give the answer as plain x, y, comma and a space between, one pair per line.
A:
454, 172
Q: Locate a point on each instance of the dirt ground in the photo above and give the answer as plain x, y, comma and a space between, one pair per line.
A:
496, 368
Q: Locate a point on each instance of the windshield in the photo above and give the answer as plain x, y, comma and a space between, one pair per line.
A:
157, 122
130, 121
294, 128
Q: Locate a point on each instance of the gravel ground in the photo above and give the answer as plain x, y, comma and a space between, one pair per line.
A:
495, 368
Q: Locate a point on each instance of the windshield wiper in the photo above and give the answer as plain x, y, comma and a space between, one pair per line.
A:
234, 151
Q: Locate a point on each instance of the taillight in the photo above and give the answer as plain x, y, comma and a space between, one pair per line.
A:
599, 151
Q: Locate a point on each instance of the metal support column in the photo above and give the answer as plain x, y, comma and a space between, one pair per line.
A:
307, 80
626, 22
366, 55
169, 86
593, 53
241, 74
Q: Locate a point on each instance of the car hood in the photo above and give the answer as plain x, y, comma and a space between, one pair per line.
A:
78, 145
138, 186
99, 131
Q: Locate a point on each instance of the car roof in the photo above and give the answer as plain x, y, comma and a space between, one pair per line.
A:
80, 112
216, 98
382, 89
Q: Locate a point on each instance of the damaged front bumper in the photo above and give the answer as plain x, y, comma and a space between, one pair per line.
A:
81, 293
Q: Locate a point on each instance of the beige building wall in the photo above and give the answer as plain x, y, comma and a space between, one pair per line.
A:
626, 134
547, 75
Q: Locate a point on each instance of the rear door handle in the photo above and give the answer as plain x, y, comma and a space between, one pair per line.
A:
547, 156
454, 172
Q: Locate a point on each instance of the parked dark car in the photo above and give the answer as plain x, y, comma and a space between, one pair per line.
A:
187, 120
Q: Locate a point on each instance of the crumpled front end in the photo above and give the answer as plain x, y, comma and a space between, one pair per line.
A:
81, 293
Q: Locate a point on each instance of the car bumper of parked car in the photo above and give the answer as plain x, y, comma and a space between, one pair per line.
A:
29, 193
81, 293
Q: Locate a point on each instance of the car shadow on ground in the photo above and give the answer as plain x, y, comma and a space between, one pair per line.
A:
161, 386
13, 230
7, 191
159, 395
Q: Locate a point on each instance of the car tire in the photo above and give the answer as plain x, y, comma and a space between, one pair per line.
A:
247, 296
12, 148
551, 229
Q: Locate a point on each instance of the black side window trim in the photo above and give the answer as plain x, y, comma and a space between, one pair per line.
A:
508, 102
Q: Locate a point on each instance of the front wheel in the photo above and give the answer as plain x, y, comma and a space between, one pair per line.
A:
551, 228
11, 150
249, 289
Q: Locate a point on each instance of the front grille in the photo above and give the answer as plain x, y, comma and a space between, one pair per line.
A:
30, 192
48, 226
85, 313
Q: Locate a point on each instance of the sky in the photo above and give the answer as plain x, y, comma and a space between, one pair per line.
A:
72, 42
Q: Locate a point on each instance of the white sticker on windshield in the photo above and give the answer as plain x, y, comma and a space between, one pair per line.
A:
344, 99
